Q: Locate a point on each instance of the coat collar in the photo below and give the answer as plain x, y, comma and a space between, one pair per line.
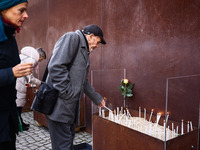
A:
84, 46
83, 40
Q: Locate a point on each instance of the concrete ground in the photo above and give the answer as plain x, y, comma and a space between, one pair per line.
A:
37, 138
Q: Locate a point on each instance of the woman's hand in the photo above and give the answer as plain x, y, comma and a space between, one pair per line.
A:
21, 70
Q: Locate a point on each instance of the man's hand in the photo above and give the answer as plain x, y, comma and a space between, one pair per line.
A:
102, 104
21, 70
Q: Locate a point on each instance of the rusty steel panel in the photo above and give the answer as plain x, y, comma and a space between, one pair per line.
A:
152, 40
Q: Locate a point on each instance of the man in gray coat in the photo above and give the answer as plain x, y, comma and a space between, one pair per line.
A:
68, 70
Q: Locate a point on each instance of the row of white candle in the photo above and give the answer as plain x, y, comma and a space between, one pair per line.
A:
189, 124
124, 117
139, 124
158, 115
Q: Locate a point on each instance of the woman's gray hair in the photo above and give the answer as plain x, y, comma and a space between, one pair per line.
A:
41, 52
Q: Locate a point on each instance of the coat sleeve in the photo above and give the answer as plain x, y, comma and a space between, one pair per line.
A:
58, 68
92, 94
6, 77
21, 91
34, 80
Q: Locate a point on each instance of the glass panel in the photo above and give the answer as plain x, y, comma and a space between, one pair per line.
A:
182, 111
179, 129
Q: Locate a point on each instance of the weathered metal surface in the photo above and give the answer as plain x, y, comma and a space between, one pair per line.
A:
152, 40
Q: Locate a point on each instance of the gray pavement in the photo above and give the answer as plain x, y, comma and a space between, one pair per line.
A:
37, 138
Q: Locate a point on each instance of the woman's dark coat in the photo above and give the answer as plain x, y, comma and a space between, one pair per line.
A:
9, 57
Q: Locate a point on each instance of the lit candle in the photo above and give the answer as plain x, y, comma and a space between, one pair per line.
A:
139, 112
144, 113
167, 117
158, 117
150, 115
191, 126
182, 132
188, 126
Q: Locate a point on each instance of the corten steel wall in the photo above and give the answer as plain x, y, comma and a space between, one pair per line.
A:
151, 39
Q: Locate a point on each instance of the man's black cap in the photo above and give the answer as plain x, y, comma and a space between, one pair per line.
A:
95, 30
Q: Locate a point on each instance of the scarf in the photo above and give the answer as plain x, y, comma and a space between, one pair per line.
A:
10, 24
5, 4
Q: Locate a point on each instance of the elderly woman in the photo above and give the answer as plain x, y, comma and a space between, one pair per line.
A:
12, 15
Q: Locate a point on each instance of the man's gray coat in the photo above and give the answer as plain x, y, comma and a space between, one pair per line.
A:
68, 70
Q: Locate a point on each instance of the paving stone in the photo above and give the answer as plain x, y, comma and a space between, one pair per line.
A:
38, 138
